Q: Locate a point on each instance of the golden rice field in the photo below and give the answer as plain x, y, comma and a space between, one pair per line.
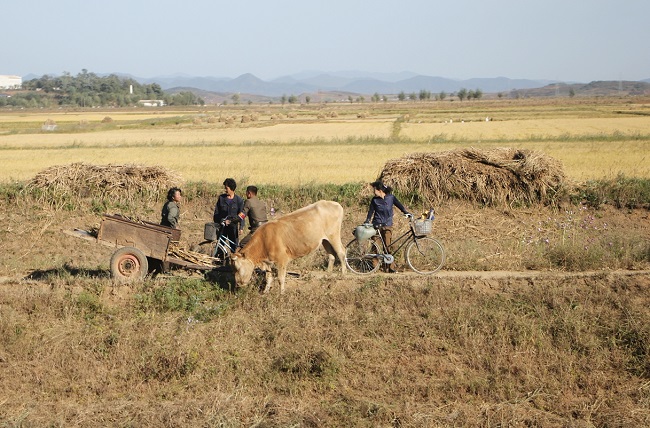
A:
591, 141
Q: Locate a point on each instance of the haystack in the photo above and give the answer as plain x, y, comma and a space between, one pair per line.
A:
117, 182
491, 177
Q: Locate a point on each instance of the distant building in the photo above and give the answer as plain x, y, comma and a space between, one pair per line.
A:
10, 82
152, 103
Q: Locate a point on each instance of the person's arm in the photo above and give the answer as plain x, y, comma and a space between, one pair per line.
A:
399, 205
238, 211
371, 212
216, 217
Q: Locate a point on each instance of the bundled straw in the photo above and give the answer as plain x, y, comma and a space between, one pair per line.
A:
176, 250
492, 177
119, 182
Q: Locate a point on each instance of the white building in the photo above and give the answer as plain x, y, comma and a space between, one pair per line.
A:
10, 82
152, 103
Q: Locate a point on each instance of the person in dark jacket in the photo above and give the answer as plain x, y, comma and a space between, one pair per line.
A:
380, 213
171, 211
230, 209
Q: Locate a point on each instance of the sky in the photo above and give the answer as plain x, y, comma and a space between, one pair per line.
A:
567, 40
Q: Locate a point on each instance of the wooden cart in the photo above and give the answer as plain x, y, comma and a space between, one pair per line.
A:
139, 246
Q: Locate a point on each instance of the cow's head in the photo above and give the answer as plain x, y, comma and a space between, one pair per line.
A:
242, 267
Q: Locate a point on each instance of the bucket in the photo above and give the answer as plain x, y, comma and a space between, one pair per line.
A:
210, 231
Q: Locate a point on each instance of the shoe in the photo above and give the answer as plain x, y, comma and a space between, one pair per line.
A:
392, 270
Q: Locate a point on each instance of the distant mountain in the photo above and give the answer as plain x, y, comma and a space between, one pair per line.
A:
364, 83
342, 82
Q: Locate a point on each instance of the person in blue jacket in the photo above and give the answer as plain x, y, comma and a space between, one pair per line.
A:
230, 209
380, 212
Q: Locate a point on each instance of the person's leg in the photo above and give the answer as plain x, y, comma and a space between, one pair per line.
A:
388, 239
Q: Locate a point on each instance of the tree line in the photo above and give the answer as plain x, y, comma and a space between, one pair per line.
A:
90, 90
423, 95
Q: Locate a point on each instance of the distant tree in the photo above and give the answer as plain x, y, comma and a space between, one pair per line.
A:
572, 92
283, 99
307, 99
424, 95
500, 95
442, 95
401, 96
350, 99
413, 96
293, 99
235, 99
375, 97
462, 94
384, 98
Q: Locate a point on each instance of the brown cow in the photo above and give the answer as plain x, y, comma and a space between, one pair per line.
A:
289, 237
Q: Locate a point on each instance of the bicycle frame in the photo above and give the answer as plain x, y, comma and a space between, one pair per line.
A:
223, 245
393, 248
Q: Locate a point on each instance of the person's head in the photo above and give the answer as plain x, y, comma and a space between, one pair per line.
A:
174, 194
230, 183
251, 191
381, 188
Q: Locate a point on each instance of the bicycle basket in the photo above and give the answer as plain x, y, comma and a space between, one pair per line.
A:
364, 232
423, 227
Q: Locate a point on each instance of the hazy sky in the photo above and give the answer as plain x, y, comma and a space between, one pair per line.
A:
568, 40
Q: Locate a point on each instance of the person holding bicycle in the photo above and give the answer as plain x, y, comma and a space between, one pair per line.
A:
380, 213
230, 210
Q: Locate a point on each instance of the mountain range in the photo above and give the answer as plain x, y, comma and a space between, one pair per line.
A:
345, 82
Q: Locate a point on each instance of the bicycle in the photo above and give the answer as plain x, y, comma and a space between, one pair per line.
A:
424, 255
221, 247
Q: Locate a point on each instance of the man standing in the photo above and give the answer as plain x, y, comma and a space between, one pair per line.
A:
255, 210
230, 209
171, 211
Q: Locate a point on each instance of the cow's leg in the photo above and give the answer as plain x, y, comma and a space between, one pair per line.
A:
335, 247
330, 254
269, 279
282, 276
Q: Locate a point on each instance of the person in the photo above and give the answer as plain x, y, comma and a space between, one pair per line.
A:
380, 214
230, 210
255, 210
171, 211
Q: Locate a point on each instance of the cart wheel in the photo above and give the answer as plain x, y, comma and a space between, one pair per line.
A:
128, 264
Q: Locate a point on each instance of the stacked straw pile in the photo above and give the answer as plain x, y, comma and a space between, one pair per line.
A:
118, 182
491, 177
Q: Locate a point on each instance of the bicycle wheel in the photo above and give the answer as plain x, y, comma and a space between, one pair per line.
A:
425, 255
361, 256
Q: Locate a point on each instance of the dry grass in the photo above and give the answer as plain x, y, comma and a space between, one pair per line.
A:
463, 349
536, 352
119, 183
491, 177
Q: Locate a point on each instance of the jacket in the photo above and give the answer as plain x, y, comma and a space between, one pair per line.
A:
228, 209
381, 210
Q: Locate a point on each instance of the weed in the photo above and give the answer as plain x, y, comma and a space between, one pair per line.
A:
195, 297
